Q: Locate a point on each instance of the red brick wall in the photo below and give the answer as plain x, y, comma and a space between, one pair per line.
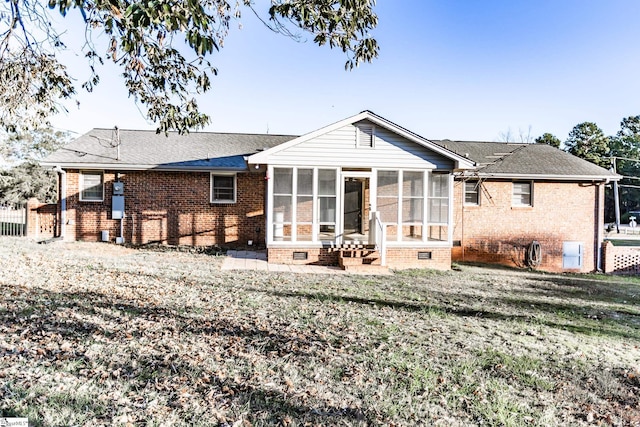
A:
170, 208
315, 256
496, 232
42, 219
397, 258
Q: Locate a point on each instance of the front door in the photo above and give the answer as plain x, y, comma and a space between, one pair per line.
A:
352, 208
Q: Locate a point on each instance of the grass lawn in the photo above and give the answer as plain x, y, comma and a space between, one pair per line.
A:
96, 334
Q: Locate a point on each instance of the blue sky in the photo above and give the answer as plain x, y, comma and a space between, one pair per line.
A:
467, 70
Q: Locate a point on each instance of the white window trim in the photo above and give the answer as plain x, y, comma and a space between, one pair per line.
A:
294, 243
91, 172
373, 136
477, 182
531, 195
235, 188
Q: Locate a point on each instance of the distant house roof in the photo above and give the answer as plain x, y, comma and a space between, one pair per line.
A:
526, 161
141, 149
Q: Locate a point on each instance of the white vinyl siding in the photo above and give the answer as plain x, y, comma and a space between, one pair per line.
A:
223, 188
91, 186
522, 194
340, 148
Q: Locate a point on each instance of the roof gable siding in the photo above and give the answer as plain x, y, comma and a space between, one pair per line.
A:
339, 148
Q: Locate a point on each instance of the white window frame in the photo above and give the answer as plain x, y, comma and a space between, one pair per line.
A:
360, 128
477, 192
235, 187
83, 198
513, 193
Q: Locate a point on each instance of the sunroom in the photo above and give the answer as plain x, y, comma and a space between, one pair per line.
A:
363, 181
332, 206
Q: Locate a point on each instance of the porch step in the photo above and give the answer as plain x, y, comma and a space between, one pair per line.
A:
363, 257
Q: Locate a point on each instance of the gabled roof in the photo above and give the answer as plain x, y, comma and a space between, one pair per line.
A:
527, 161
141, 149
461, 162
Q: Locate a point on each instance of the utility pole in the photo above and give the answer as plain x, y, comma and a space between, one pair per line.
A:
616, 196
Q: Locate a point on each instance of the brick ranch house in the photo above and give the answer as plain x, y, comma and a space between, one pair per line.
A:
362, 190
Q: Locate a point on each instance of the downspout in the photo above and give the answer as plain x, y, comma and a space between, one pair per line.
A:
63, 200
599, 226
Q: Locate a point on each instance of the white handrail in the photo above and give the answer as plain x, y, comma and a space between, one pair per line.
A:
378, 236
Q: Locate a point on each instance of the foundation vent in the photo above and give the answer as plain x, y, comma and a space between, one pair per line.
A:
300, 256
424, 255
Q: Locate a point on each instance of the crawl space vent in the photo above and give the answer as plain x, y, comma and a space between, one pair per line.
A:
424, 255
300, 256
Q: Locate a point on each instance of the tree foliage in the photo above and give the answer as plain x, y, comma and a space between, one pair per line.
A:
549, 139
625, 150
148, 40
26, 178
16, 147
586, 140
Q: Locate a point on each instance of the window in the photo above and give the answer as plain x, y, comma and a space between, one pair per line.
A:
223, 188
304, 205
412, 205
522, 194
439, 199
282, 203
472, 193
366, 134
438, 217
327, 195
91, 185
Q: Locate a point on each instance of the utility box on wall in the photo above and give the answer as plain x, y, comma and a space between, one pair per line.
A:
117, 207
118, 188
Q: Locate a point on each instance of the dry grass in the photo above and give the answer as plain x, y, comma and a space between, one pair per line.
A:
94, 334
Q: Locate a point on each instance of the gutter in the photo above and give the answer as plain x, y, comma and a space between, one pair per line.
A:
601, 178
63, 200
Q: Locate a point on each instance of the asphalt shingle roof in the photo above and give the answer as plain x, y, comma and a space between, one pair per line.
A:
141, 149
500, 158
146, 149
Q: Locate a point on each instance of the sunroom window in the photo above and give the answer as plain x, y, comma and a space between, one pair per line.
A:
403, 198
438, 206
282, 203
412, 205
327, 196
304, 204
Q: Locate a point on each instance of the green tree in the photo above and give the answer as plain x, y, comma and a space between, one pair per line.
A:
26, 178
586, 140
625, 148
549, 139
162, 46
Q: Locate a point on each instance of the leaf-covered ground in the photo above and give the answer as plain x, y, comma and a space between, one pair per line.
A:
96, 334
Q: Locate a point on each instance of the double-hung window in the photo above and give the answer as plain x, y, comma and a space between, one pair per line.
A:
472, 193
522, 194
91, 186
223, 187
